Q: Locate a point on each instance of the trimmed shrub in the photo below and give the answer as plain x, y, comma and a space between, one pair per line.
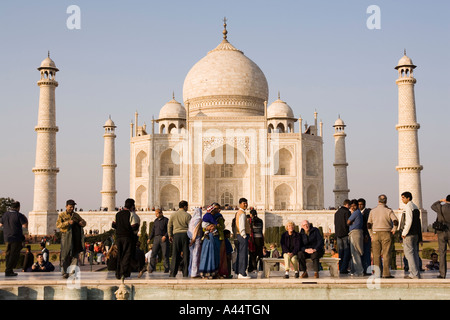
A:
426, 253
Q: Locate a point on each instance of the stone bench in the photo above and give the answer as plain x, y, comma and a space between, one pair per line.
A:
332, 263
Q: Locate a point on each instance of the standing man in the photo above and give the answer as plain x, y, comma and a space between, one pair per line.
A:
160, 240
341, 230
367, 243
12, 222
71, 226
177, 228
411, 232
355, 235
28, 259
45, 252
312, 246
443, 215
381, 224
257, 237
243, 232
126, 224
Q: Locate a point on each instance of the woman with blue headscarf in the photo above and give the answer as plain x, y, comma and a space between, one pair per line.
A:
210, 255
195, 234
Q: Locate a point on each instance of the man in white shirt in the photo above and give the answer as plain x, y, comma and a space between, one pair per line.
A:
411, 232
243, 232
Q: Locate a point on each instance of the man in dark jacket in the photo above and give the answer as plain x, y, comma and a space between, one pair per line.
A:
126, 226
41, 265
12, 222
442, 208
257, 240
366, 257
411, 232
311, 246
160, 239
28, 259
45, 252
341, 230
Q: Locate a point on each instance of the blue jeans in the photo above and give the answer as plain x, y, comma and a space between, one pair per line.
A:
356, 248
366, 259
410, 248
242, 255
344, 253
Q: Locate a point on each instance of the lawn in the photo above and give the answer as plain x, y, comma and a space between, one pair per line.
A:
35, 248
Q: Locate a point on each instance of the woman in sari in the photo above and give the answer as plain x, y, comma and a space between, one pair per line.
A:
223, 264
195, 234
210, 255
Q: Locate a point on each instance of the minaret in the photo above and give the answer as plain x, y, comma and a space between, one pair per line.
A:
408, 145
44, 215
340, 164
109, 167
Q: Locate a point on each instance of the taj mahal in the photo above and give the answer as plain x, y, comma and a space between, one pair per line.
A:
224, 140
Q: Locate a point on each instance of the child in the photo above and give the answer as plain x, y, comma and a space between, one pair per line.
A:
229, 250
209, 223
274, 253
334, 253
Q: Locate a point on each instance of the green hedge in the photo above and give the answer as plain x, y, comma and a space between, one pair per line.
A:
273, 234
426, 253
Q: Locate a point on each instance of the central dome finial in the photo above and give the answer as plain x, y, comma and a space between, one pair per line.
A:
225, 28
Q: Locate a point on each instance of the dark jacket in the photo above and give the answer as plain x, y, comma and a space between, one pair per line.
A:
159, 228
49, 267
122, 224
46, 254
443, 212
12, 226
28, 261
340, 222
312, 241
416, 226
258, 227
365, 213
292, 242
72, 241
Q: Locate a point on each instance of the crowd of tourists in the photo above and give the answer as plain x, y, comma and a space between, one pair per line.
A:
201, 245
365, 237
203, 248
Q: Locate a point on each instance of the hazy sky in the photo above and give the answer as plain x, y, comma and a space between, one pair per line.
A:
131, 55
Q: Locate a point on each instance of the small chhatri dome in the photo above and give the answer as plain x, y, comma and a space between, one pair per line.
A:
48, 63
279, 109
172, 110
339, 123
109, 123
405, 61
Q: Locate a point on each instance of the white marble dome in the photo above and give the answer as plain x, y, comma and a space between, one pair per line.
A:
48, 63
109, 123
339, 123
172, 110
405, 61
279, 109
226, 82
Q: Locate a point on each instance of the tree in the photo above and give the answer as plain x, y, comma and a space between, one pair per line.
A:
143, 237
5, 203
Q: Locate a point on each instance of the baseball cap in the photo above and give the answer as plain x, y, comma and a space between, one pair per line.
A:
70, 202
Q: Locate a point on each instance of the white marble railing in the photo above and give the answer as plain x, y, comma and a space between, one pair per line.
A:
101, 220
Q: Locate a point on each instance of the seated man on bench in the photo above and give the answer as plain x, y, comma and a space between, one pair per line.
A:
312, 247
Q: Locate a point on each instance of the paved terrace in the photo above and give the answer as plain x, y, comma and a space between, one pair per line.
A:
102, 285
